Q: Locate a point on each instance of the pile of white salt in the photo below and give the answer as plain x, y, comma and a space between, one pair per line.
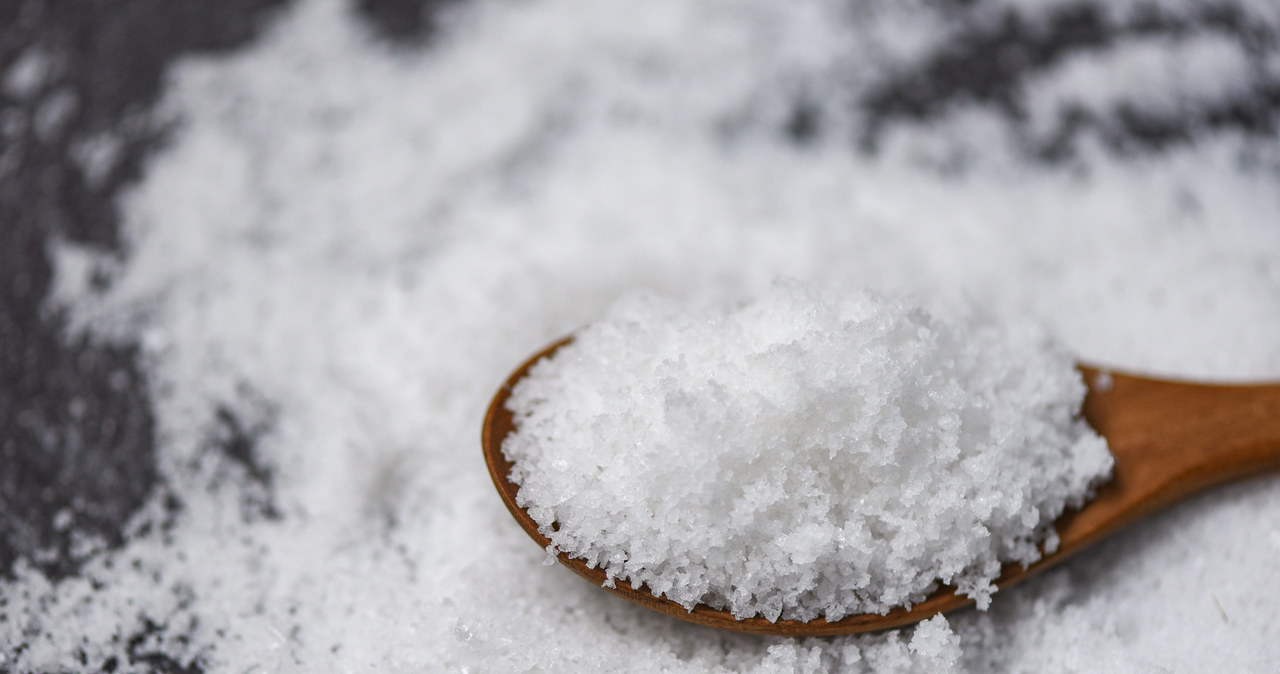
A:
801, 455
362, 242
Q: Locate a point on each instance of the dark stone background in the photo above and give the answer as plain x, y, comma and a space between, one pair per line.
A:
75, 421
77, 447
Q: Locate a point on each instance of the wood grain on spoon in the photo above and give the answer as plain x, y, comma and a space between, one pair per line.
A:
1170, 440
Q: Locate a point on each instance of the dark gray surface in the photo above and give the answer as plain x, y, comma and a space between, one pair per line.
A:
991, 59
75, 422
77, 435
75, 419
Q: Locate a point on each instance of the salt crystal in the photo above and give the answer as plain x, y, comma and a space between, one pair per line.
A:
803, 455
371, 238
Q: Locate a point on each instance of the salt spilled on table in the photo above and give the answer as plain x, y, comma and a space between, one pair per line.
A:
362, 241
802, 455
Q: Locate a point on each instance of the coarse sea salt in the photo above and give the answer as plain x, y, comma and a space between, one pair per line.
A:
362, 241
802, 455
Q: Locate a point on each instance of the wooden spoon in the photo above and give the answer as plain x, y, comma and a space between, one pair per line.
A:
1170, 440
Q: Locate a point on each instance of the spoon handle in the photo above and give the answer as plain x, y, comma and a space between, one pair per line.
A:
1170, 440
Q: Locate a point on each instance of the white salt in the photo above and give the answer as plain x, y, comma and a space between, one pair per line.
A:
1158, 76
369, 240
801, 455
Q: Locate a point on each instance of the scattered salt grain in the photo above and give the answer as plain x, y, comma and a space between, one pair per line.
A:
802, 455
368, 239
28, 74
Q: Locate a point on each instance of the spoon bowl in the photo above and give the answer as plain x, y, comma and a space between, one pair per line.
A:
1170, 440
